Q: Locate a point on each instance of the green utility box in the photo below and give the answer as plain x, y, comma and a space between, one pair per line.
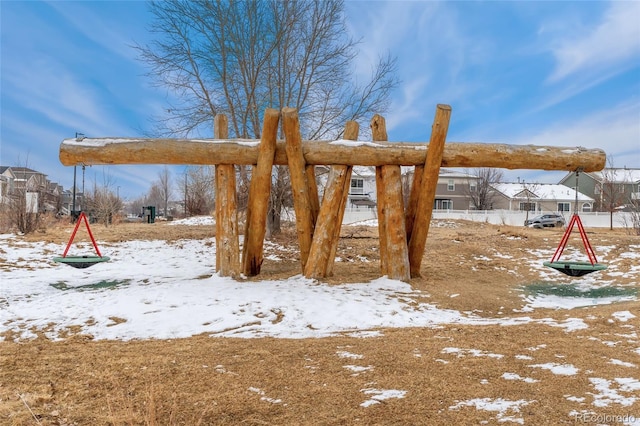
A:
150, 213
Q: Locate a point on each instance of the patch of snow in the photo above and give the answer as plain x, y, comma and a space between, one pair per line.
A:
472, 352
574, 398
514, 376
558, 369
195, 220
623, 363
345, 354
524, 357
358, 368
502, 406
623, 315
381, 395
608, 395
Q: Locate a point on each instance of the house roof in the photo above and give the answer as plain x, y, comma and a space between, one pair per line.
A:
541, 191
622, 175
364, 171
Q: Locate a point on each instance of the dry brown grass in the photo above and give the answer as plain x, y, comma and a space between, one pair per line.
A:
217, 381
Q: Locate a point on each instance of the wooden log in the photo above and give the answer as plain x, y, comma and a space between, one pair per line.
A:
327, 229
314, 198
350, 133
428, 187
227, 244
394, 256
396, 233
236, 151
412, 205
259, 192
379, 133
299, 185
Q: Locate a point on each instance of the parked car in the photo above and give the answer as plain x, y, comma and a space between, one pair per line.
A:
546, 220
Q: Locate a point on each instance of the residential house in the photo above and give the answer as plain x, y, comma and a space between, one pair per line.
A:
362, 191
540, 197
7, 179
42, 195
452, 192
453, 189
619, 186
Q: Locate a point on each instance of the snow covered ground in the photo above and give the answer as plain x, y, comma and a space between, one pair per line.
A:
158, 289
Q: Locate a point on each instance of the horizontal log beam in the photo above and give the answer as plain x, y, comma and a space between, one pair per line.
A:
105, 151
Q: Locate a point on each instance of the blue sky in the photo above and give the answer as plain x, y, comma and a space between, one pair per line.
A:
539, 72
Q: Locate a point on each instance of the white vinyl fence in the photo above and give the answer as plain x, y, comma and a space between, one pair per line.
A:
501, 217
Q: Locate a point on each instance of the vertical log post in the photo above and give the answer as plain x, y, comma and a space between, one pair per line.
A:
397, 250
428, 185
412, 205
350, 133
327, 231
299, 186
394, 260
379, 134
314, 199
259, 192
227, 244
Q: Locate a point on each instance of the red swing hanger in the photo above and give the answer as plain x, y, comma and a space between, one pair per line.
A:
82, 216
572, 268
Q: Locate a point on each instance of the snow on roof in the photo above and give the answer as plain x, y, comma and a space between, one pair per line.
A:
364, 171
543, 191
623, 175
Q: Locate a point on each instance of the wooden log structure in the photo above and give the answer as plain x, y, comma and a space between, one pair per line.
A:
402, 234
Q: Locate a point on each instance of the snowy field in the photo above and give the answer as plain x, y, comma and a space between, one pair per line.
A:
158, 289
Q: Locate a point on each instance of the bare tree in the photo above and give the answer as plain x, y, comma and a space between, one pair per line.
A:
240, 57
23, 209
102, 203
25, 202
529, 196
164, 185
198, 190
612, 194
480, 188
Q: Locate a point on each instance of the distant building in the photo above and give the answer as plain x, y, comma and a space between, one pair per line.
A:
41, 194
623, 184
540, 197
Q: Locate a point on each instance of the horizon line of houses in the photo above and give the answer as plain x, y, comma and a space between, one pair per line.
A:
454, 190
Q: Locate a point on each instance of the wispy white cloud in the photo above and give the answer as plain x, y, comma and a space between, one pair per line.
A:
615, 130
613, 44
60, 95
107, 33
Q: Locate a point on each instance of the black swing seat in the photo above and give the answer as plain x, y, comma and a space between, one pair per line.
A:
81, 262
575, 269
